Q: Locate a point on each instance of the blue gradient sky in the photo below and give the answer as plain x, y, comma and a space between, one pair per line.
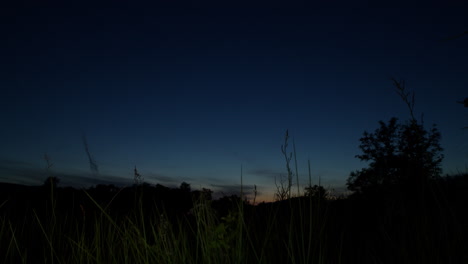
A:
192, 92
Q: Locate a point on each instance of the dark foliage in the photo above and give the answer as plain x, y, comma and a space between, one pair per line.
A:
316, 191
352, 230
51, 182
399, 154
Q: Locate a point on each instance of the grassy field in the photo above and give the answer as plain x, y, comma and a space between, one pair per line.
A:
135, 225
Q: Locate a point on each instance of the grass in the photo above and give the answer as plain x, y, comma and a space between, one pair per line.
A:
298, 230
61, 226
50, 235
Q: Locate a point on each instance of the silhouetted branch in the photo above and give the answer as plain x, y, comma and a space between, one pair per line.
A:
408, 97
49, 163
288, 161
92, 163
282, 191
138, 180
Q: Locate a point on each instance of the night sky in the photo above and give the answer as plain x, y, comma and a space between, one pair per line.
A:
193, 92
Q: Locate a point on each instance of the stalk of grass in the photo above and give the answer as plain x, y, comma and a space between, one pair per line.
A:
128, 238
142, 224
301, 219
240, 223
297, 171
288, 167
14, 243
302, 246
169, 248
49, 238
310, 211
208, 240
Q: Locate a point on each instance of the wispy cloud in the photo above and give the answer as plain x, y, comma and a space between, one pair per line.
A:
233, 189
87, 180
266, 173
170, 181
30, 174
16, 171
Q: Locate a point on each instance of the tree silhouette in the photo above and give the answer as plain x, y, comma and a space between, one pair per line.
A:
316, 191
283, 188
51, 182
185, 187
398, 154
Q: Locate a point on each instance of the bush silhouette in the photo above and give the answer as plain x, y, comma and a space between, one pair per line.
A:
399, 154
51, 182
316, 191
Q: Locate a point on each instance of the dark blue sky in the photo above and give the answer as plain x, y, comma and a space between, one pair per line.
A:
191, 92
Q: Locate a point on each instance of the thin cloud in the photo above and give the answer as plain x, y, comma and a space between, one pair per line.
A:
233, 189
29, 174
165, 179
266, 173
88, 180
